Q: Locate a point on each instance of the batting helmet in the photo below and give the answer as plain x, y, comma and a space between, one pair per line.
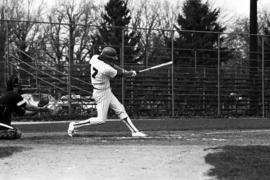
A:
108, 53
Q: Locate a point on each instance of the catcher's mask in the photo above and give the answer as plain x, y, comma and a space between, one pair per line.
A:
108, 53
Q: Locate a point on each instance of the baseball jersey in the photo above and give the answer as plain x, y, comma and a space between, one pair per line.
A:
101, 73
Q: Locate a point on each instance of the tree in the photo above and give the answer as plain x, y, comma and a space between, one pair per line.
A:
197, 45
195, 20
238, 38
23, 33
2, 49
69, 33
266, 39
154, 19
67, 40
114, 26
145, 19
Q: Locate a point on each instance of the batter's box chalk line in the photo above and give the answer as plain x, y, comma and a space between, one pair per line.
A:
214, 139
150, 137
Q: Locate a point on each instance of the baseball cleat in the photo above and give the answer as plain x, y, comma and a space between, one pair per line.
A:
138, 134
71, 129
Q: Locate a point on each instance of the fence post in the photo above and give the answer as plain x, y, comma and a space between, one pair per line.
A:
36, 73
172, 76
7, 69
123, 64
218, 69
195, 60
70, 55
263, 76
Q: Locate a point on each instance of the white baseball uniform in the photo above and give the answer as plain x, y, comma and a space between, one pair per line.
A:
101, 73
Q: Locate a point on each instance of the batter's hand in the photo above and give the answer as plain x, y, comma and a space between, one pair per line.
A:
133, 73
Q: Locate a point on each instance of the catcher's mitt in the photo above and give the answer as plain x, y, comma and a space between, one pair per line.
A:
10, 134
54, 107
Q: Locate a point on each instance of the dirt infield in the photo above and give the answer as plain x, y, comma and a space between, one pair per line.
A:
107, 155
101, 156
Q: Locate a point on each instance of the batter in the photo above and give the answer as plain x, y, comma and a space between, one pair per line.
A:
102, 70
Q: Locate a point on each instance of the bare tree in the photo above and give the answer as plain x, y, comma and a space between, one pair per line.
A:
3, 30
22, 31
69, 31
154, 19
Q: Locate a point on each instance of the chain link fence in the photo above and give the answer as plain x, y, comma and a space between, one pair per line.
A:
204, 80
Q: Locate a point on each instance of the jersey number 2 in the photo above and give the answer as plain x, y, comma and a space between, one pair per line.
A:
95, 72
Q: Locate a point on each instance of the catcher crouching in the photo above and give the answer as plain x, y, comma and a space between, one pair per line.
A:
12, 102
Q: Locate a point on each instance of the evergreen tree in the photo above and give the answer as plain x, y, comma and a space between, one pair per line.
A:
196, 46
116, 18
197, 16
266, 38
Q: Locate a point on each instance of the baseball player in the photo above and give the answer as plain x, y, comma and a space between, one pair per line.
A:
102, 70
13, 103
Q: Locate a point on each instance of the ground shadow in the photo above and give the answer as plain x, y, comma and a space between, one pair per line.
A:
10, 150
240, 162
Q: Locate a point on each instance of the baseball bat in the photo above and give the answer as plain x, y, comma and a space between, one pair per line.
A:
6, 126
155, 67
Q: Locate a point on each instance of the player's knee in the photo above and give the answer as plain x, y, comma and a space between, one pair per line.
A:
121, 113
97, 121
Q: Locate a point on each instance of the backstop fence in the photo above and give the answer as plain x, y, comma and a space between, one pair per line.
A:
213, 74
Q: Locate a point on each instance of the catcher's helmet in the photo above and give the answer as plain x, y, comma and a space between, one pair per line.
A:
108, 53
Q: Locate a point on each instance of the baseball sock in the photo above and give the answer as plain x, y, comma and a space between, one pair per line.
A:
130, 125
87, 122
82, 123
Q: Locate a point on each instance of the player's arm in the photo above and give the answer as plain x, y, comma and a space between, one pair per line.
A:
29, 108
123, 72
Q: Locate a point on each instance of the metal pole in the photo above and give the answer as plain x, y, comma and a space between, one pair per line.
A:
172, 76
123, 64
218, 75
69, 69
263, 85
195, 59
68, 87
253, 62
37, 68
146, 54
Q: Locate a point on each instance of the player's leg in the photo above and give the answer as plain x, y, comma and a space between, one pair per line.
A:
119, 109
5, 116
102, 111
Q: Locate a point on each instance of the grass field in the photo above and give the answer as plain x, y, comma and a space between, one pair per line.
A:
175, 149
240, 162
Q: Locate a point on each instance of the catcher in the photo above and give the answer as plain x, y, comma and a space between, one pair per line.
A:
13, 103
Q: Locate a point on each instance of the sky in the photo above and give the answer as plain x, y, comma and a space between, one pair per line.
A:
239, 8
234, 8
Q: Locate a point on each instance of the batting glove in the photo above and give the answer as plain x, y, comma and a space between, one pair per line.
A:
133, 73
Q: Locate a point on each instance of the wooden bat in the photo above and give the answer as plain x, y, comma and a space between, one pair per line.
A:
155, 67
